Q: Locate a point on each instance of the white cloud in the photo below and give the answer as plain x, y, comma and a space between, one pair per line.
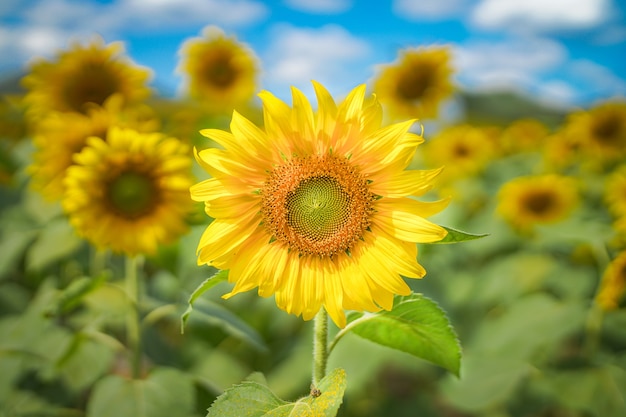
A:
523, 56
540, 15
420, 10
597, 79
320, 6
21, 45
535, 66
517, 65
181, 13
557, 93
45, 26
330, 55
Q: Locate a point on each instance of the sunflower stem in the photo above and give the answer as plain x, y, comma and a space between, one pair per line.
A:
133, 329
320, 346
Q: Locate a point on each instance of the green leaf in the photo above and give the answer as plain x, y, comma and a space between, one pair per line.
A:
249, 399
57, 241
332, 388
72, 296
208, 283
416, 325
252, 399
217, 315
456, 236
166, 392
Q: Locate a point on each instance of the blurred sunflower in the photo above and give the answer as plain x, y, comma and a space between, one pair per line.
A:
561, 151
219, 71
524, 135
316, 208
82, 75
526, 201
58, 136
601, 132
129, 193
464, 150
613, 284
416, 83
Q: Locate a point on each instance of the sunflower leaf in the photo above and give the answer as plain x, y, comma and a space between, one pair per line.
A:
416, 325
206, 285
253, 399
456, 236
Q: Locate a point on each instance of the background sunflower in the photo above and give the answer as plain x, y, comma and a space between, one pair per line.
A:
130, 192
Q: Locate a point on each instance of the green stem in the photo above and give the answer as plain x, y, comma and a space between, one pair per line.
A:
320, 346
133, 330
98, 261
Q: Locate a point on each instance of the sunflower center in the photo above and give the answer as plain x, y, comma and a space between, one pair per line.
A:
539, 202
413, 85
606, 130
132, 194
220, 72
461, 151
93, 83
317, 205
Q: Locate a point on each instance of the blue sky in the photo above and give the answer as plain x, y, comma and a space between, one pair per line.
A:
562, 52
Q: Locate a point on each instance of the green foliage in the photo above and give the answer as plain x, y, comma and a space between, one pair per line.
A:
456, 236
206, 285
163, 393
416, 325
253, 399
522, 304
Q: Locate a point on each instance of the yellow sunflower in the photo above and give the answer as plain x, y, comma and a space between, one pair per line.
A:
317, 208
524, 135
560, 151
129, 193
219, 71
84, 74
613, 284
464, 150
416, 83
542, 199
600, 131
60, 135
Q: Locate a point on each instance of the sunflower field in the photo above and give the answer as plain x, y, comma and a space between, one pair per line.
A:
226, 252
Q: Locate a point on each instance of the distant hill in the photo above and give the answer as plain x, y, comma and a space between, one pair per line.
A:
504, 107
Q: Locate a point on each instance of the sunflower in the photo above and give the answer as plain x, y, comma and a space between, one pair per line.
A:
601, 132
58, 136
524, 135
526, 201
464, 150
82, 75
129, 193
416, 83
613, 284
219, 71
560, 151
316, 208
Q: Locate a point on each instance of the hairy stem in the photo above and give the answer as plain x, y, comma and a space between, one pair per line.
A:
320, 346
133, 329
